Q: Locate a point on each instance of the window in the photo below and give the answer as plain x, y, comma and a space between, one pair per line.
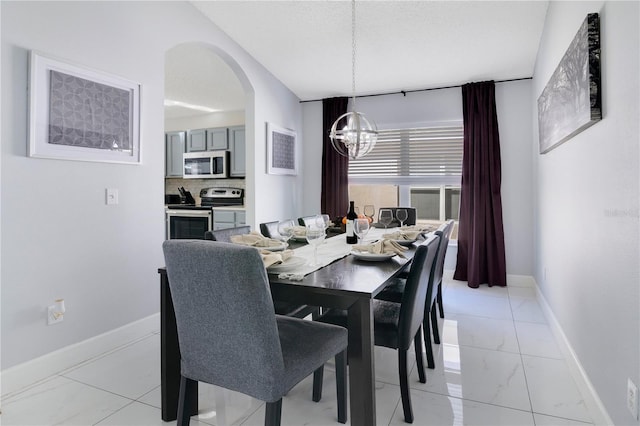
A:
417, 167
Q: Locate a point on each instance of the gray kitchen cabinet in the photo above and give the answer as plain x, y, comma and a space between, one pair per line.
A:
174, 148
237, 147
223, 219
217, 139
197, 140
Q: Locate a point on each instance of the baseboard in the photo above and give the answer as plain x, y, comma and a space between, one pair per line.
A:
593, 402
16, 378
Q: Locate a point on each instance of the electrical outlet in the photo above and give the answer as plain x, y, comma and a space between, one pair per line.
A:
632, 398
53, 316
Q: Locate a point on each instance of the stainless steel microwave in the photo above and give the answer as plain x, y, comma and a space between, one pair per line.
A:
205, 165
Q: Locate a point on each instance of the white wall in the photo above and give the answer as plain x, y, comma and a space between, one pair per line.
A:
586, 212
513, 103
59, 238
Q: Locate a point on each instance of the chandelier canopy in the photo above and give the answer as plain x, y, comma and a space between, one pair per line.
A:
352, 135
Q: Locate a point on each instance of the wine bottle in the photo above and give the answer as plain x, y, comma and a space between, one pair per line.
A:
351, 216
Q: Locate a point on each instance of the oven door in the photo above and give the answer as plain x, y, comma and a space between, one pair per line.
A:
188, 224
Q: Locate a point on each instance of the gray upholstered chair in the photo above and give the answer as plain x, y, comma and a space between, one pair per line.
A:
229, 335
224, 235
397, 325
270, 229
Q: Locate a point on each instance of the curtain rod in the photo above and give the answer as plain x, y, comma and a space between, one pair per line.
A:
404, 92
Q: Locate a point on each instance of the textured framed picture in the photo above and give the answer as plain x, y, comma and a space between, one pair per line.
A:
571, 101
281, 151
76, 113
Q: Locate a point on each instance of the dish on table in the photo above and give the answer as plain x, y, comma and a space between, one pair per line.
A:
406, 242
372, 257
288, 265
279, 247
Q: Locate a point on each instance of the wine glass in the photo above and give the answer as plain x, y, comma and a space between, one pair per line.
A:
369, 211
326, 219
361, 228
385, 217
315, 236
402, 215
285, 229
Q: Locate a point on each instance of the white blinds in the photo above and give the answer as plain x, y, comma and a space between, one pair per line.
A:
423, 155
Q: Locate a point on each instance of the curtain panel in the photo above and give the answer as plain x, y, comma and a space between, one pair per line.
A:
481, 253
334, 198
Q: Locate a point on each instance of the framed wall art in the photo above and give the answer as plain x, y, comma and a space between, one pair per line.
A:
76, 113
571, 101
281, 151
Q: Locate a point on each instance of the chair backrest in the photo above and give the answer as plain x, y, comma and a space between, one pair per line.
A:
302, 221
415, 291
225, 318
444, 231
411, 215
270, 229
224, 235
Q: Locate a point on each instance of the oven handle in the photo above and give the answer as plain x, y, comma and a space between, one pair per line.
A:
189, 213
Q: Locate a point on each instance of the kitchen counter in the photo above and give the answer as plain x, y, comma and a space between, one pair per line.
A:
200, 207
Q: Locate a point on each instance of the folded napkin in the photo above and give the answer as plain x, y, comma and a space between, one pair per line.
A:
420, 228
299, 231
270, 258
381, 247
255, 239
402, 235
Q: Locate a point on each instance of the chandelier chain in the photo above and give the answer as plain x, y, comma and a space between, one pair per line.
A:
353, 50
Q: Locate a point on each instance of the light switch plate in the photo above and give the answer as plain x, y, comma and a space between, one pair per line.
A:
111, 196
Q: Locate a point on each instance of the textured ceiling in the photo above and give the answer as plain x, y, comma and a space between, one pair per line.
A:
400, 45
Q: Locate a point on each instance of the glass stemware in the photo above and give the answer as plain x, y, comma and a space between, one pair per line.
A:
285, 229
402, 215
385, 217
361, 228
369, 211
315, 236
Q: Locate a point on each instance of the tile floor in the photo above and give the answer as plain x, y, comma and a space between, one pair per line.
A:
498, 364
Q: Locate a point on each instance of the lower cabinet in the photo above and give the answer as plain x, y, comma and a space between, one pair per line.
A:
223, 219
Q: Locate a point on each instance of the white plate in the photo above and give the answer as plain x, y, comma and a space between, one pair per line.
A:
274, 248
290, 264
406, 242
371, 256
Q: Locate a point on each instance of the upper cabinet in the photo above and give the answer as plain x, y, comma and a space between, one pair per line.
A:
217, 139
230, 139
238, 151
175, 142
197, 140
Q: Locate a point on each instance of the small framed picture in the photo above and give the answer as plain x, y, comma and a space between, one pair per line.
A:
76, 113
281, 151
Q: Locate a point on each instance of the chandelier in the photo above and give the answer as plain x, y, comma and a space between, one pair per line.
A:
352, 135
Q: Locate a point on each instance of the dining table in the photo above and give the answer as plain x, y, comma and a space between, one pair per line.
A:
342, 280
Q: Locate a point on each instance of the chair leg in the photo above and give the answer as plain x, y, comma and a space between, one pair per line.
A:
434, 324
439, 297
273, 412
404, 386
341, 385
317, 383
187, 387
426, 330
417, 344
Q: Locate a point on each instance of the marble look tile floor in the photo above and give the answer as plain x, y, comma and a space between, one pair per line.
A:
498, 364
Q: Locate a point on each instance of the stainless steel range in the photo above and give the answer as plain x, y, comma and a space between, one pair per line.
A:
220, 196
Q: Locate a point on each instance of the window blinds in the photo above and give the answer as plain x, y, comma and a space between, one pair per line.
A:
423, 155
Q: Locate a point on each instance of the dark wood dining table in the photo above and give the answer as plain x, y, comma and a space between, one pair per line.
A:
347, 283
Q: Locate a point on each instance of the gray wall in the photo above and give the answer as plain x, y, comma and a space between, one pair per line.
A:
59, 239
586, 210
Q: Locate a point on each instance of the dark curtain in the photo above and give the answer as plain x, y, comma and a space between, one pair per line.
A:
481, 256
335, 167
